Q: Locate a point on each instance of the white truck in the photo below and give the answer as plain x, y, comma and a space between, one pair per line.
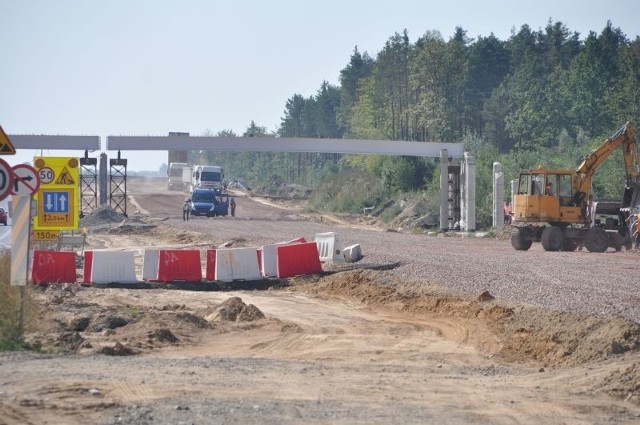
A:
179, 176
208, 177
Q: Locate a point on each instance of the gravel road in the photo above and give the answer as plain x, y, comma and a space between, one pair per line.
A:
605, 284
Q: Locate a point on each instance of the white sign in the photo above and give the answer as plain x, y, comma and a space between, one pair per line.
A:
46, 175
25, 180
6, 179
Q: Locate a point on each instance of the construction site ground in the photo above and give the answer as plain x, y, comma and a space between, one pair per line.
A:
385, 340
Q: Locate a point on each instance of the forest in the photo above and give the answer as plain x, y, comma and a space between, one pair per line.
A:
542, 97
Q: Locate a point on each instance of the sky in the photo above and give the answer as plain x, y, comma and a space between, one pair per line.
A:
150, 67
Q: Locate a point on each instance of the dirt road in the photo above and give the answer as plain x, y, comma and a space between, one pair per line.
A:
356, 347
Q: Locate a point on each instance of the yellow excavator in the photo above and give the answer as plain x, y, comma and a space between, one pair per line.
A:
556, 208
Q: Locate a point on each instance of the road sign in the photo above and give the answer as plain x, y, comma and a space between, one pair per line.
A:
6, 147
45, 235
25, 180
46, 175
58, 194
57, 209
6, 179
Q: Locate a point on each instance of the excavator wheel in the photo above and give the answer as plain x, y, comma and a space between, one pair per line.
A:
569, 244
616, 242
521, 238
552, 238
597, 240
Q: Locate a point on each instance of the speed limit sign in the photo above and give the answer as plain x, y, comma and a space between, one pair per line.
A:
6, 179
46, 175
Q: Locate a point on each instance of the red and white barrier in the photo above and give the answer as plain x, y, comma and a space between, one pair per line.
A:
298, 259
53, 267
113, 267
329, 248
269, 260
237, 264
179, 265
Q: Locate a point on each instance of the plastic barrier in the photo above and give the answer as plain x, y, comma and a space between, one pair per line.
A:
352, 253
150, 264
211, 264
269, 260
113, 267
298, 259
329, 248
237, 264
53, 267
269, 266
179, 265
86, 267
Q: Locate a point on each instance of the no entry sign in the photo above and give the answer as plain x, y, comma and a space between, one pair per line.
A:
25, 180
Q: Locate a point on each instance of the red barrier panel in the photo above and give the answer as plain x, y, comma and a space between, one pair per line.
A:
86, 267
211, 264
182, 265
298, 259
53, 267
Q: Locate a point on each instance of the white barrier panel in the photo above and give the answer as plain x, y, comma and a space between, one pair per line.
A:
113, 267
237, 264
352, 253
270, 260
150, 264
329, 248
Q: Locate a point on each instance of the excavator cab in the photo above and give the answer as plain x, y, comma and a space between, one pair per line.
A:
548, 196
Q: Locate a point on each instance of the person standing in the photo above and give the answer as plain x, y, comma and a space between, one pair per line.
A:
186, 209
232, 205
507, 212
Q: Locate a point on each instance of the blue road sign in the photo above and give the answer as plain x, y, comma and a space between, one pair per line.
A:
56, 202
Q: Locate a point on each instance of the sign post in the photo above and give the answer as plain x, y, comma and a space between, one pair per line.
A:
25, 184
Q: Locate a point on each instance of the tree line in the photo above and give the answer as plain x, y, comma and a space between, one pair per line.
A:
542, 96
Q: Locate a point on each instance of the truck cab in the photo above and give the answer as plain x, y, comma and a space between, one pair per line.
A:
176, 172
208, 176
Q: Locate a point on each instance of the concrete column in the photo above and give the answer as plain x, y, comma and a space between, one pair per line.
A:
498, 195
463, 196
103, 181
470, 192
444, 189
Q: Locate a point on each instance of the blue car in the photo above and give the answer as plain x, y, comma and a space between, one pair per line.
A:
209, 202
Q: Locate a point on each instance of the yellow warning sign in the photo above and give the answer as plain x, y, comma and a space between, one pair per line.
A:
58, 197
65, 177
6, 147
